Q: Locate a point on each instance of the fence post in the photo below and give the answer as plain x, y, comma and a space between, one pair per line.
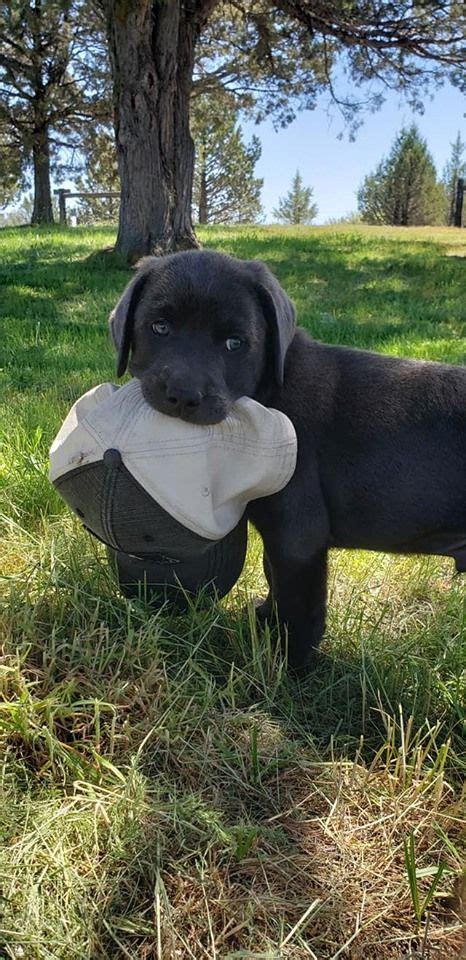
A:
62, 205
458, 219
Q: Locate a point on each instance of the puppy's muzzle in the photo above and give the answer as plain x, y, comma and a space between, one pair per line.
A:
176, 397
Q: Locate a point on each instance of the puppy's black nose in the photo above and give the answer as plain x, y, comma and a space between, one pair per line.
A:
183, 399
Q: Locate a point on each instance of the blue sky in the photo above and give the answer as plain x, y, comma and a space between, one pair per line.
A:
335, 168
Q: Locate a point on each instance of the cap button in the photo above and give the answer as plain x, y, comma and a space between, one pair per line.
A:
112, 458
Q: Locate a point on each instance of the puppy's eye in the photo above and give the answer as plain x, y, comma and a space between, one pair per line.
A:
233, 343
161, 328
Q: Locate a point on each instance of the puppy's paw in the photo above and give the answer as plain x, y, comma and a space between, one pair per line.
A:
300, 667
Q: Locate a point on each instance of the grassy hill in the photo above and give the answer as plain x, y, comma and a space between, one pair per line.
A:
167, 791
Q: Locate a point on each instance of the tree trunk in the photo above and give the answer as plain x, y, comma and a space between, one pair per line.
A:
42, 211
203, 208
152, 55
452, 203
458, 213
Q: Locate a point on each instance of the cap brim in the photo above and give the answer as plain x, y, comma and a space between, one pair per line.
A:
214, 572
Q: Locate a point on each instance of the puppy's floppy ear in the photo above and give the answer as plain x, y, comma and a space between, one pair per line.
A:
121, 319
279, 313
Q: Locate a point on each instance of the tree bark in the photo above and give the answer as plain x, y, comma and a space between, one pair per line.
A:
152, 55
203, 207
42, 210
458, 211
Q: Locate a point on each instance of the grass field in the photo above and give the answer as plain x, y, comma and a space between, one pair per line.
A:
167, 791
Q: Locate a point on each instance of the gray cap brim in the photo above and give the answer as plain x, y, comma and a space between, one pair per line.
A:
214, 572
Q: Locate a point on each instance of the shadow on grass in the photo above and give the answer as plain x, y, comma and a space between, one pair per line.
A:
370, 666
207, 777
205, 772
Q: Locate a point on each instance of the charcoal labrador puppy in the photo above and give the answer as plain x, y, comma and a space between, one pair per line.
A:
381, 440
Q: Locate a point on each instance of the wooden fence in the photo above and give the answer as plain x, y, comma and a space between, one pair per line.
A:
64, 195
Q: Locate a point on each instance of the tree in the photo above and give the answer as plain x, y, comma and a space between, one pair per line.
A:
100, 176
12, 178
296, 207
265, 54
403, 190
453, 170
50, 86
225, 189
20, 216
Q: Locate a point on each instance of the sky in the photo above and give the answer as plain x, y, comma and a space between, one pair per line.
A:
335, 168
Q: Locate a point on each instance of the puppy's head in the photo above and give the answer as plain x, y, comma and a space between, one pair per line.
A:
201, 329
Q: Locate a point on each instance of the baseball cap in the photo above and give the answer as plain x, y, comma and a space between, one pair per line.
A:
168, 497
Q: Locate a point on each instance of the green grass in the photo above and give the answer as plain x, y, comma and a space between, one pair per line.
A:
166, 790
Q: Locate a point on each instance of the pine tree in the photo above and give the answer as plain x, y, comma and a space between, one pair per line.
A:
100, 176
297, 206
403, 190
53, 82
453, 170
20, 216
225, 189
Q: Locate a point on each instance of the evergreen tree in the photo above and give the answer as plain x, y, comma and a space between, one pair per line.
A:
297, 206
225, 189
453, 170
53, 81
20, 216
403, 190
12, 173
100, 176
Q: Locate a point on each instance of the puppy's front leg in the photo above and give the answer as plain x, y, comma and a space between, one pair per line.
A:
295, 564
299, 590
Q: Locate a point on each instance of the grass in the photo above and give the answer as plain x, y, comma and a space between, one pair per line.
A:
167, 791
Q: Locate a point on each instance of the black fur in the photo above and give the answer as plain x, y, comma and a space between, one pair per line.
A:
381, 440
